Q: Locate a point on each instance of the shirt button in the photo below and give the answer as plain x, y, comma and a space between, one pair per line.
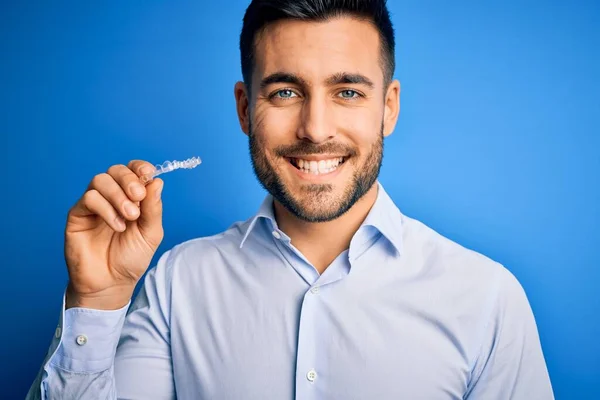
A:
276, 235
57, 333
315, 290
311, 375
81, 340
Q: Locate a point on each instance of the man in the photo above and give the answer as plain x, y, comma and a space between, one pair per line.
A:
328, 292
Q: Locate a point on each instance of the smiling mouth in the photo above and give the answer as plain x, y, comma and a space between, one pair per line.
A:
319, 167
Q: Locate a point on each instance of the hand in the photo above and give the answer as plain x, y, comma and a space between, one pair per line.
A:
111, 236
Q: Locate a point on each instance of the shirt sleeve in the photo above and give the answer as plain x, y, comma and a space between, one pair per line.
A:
125, 353
511, 363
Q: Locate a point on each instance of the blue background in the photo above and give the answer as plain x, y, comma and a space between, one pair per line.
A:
497, 146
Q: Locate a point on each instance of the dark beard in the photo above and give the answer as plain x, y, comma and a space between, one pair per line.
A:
364, 177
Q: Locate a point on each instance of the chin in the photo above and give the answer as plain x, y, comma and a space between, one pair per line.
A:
316, 202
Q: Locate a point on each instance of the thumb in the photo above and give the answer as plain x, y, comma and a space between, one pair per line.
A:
150, 220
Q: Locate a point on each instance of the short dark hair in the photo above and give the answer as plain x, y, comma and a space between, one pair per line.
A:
260, 13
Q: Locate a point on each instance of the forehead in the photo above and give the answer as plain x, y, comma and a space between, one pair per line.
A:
315, 50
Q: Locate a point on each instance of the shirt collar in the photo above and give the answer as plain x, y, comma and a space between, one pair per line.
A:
265, 211
384, 216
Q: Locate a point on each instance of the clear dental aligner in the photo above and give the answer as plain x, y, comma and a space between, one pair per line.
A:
169, 166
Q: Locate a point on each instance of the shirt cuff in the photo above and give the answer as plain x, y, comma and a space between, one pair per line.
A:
88, 339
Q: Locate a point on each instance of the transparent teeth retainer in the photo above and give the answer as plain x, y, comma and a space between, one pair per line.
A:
169, 166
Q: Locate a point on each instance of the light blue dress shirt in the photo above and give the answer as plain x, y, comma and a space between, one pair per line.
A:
404, 313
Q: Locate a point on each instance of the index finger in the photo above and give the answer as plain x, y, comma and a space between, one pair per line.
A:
140, 167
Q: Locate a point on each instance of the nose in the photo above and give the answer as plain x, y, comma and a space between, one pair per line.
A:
317, 123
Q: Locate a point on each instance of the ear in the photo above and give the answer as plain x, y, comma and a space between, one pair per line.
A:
243, 106
392, 108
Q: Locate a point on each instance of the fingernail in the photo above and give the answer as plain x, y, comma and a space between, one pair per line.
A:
131, 209
158, 192
120, 223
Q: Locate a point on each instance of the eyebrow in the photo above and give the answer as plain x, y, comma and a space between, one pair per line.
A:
335, 79
344, 77
282, 77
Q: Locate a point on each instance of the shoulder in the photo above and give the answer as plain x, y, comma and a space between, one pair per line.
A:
436, 254
234, 246
207, 247
484, 293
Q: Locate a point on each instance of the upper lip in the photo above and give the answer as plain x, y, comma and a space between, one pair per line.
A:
317, 157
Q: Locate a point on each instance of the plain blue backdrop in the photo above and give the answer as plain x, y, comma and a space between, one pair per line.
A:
497, 146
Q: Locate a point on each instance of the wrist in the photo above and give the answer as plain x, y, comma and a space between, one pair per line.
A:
108, 299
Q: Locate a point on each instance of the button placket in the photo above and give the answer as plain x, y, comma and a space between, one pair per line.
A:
307, 351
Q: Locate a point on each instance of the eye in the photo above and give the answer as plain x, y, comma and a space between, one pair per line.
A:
349, 94
285, 94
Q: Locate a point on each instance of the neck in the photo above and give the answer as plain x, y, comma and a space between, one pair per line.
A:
322, 242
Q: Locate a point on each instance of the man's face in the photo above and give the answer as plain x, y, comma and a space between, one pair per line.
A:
317, 114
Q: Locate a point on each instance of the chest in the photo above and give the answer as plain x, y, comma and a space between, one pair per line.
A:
286, 340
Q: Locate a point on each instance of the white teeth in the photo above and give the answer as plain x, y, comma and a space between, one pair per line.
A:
318, 167
322, 166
